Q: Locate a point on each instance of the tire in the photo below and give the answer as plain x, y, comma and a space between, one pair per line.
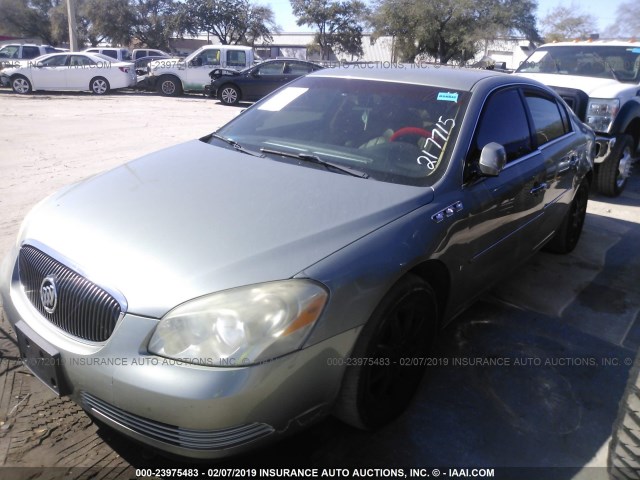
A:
99, 86
624, 449
21, 85
567, 236
403, 326
616, 167
229, 94
169, 86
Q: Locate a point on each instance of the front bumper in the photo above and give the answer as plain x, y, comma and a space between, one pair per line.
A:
190, 410
150, 82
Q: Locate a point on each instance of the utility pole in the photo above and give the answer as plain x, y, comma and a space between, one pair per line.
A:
73, 29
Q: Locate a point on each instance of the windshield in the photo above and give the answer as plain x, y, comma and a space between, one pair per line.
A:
392, 132
601, 61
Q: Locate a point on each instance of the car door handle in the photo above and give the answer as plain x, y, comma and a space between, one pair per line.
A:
539, 187
573, 160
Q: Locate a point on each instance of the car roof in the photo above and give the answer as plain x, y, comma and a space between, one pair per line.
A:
442, 76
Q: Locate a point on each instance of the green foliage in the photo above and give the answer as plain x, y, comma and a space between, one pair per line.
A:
232, 21
28, 18
450, 30
339, 23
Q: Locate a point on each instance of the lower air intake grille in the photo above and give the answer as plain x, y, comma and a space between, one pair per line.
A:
180, 437
80, 307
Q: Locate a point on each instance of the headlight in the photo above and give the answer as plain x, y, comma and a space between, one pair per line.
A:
242, 326
601, 113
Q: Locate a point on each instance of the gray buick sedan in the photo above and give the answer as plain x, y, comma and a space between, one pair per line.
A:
299, 261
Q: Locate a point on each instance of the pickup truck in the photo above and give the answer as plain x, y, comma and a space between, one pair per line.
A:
599, 80
12, 53
173, 76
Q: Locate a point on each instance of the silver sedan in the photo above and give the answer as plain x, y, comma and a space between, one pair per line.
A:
298, 262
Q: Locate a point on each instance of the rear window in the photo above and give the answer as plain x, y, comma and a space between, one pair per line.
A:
236, 58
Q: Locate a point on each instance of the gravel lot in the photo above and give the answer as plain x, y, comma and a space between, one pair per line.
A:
557, 417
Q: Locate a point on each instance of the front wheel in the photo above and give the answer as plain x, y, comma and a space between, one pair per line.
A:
624, 448
169, 86
99, 86
21, 85
229, 95
382, 377
616, 167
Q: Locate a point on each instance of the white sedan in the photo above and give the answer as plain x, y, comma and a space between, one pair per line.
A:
69, 71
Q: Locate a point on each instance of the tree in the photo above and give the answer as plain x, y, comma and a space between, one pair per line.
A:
627, 22
339, 23
450, 30
232, 21
29, 18
97, 21
157, 21
567, 23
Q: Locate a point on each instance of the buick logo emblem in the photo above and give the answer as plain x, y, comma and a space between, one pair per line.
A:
49, 294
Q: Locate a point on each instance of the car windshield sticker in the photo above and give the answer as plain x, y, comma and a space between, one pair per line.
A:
438, 139
282, 99
448, 96
634, 50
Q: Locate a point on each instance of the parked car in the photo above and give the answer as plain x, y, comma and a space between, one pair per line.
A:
139, 53
69, 71
12, 53
120, 54
176, 75
299, 261
253, 83
599, 80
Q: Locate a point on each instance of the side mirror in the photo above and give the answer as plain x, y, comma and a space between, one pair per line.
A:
492, 159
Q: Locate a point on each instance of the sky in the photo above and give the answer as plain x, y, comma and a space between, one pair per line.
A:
603, 11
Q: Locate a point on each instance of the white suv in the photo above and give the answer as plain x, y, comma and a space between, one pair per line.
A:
120, 54
12, 53
600, 81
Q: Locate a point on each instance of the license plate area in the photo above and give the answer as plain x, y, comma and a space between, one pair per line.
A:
41, 358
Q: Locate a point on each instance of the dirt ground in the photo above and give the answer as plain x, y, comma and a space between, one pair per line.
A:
50, 140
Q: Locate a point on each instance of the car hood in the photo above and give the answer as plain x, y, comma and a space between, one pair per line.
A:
223, 72
594, 87
195, 219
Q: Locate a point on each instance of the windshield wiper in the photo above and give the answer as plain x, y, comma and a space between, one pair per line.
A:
307, 157
608, 65
236, 145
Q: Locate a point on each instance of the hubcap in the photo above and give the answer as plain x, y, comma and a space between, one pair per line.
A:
624, 167
168, 87
21, 85
99, 86
229, 95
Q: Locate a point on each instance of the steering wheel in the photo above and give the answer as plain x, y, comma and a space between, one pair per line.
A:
401, 132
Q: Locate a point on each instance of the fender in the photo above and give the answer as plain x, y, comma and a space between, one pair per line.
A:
629, 112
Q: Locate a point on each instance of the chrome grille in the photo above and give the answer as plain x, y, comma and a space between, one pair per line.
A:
83, 309
181, 437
